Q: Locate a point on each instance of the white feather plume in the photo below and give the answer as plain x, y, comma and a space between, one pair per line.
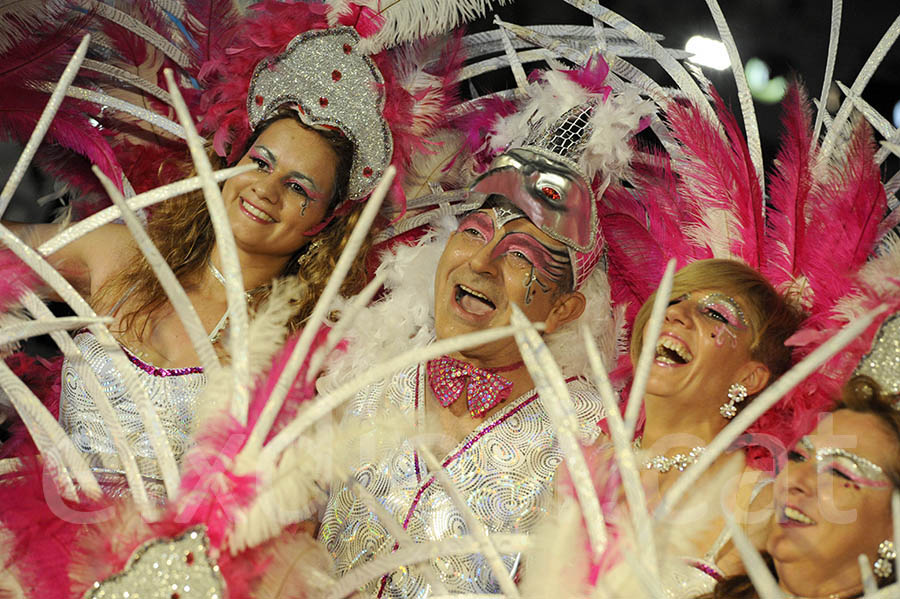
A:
613, 122
409, 20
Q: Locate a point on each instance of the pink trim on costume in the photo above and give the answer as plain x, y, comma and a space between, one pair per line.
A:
468, 444
708, 570
156, 370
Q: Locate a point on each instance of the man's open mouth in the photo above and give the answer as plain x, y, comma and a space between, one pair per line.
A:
473, 302
672, 351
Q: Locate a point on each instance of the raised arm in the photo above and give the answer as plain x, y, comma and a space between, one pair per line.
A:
86, 262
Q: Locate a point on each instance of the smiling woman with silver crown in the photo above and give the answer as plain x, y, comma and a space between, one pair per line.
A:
319, 118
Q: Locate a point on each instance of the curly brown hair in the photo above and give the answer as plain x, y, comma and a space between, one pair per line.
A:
182, 231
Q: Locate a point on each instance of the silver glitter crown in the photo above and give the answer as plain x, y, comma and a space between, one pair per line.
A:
166, 567
333, 84
882, 363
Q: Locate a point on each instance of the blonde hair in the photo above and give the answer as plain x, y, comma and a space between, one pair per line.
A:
771, 316
182, 230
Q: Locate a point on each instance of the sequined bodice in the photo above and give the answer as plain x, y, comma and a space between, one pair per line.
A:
504, 469
173, 393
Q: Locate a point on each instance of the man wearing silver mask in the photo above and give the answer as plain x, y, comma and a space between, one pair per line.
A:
534, 243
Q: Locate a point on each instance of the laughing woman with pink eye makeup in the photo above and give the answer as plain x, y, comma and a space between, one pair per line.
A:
721, 344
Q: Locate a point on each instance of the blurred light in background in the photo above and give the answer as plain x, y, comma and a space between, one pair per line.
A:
764, 88
708, 52
897, 114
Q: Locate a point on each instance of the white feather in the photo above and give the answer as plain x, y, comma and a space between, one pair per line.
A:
409, 20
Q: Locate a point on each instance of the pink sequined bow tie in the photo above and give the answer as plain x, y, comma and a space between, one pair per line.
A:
484, 387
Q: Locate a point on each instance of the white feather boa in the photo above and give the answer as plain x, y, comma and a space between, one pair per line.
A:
404, 319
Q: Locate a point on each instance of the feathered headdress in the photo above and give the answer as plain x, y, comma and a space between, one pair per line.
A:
706, 202
556, 153
231, 66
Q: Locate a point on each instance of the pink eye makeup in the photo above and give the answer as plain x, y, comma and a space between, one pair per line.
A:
723, 308
478, 223
843, 464
257, 156
856, 469
548, 262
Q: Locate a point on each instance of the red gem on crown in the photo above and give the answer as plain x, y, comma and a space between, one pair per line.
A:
259, 100
348, 48
336, 75
323, 102
367, 171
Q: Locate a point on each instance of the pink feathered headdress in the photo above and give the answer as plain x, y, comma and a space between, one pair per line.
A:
407, 92
821, 225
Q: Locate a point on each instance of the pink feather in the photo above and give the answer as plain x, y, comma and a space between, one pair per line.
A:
479, 124
789, 188
592, 76
212, 24
70, 129
211, 491
721, 173
265, 33
838, 247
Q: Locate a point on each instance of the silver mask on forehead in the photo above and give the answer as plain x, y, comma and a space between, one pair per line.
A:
557, 199
542, 177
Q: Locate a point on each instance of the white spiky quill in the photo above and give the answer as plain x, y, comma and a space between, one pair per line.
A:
834, 34
423, 552
227, 250
859, 84
289, 490
325, 403
477, 529
102, 401
138, 202
870, 587
396, 531
648, 351
348, 316
167, 279
642, 38
298, 355
743, 89
19, 330
150, 418
759, 573
895, 516
625, 458
410, 20
66, 462
555, 398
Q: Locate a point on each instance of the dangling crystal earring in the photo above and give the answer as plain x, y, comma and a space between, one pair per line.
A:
736, 394
884, 565
304, 258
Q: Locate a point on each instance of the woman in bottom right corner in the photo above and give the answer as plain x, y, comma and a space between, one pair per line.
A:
833, 497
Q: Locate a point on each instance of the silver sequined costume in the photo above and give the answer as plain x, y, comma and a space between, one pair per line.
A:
173, 392
505, 470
